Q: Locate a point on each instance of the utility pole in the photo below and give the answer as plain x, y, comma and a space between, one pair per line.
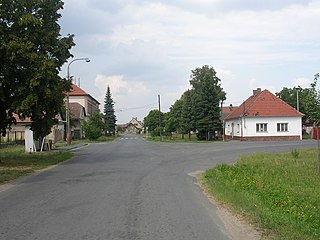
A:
160, 127
316, 76
298, 100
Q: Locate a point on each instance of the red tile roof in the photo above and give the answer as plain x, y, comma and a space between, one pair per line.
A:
76, 91
18, 120
264, 104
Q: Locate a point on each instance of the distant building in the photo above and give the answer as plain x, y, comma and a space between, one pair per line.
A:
263, 116
134, 127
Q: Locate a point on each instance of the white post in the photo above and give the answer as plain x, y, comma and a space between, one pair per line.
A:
29, 143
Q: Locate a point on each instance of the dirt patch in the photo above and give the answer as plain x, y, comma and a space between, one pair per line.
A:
238, 228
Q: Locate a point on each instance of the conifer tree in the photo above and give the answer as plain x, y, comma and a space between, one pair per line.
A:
109, 115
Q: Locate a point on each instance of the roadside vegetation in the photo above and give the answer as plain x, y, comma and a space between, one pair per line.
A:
176, 138
278, 193
15, 162
173, 138
78, 141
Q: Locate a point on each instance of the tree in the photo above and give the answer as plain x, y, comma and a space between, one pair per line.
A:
312, 103
173, 118
151, 122
207, 97
187, 114
94, 127
32, 52
289, 95
109, 116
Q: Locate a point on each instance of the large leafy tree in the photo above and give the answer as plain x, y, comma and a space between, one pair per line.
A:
32, 52
187, 114
312, 103
109, 115
290, 96
151, 122
207, 96
173, 117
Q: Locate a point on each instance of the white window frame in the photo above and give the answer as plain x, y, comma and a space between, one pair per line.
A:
261, 127
282, 127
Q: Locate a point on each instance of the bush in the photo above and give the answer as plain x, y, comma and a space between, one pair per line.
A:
94, 127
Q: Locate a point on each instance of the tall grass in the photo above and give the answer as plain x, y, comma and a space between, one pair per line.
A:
278, 192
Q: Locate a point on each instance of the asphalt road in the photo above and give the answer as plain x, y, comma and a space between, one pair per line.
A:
126, 189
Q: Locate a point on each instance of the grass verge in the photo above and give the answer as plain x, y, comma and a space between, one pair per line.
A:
14, 162
279, 193
100, 139
177, 138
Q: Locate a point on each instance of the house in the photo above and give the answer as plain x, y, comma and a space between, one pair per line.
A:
17, 131
134, 126
225, 111
263, 116
77, 95
77, 115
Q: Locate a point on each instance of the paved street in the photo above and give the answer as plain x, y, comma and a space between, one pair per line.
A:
126, 189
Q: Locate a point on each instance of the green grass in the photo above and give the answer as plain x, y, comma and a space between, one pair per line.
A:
176, 138
14, 162
100, 139
279, 193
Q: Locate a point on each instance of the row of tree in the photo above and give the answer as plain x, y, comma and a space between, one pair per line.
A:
197, 110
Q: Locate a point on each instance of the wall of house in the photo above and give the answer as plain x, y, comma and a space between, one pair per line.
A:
246, 128
92, 106
78, 99
87, 102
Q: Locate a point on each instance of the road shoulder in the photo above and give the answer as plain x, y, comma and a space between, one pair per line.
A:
237, 228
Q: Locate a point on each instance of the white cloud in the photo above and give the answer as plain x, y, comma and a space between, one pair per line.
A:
302, 82
127, 95
156, 44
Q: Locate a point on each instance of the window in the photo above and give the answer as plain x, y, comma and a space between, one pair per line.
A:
282, 127
261, 127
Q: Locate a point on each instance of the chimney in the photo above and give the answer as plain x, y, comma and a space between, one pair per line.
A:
256, 91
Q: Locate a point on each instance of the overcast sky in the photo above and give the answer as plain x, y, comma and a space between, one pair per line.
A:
142, 48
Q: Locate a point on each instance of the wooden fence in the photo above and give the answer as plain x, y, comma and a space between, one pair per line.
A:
13, 136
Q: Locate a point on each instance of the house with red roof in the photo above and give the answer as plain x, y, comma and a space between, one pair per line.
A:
263, 116
82, 106
77, 95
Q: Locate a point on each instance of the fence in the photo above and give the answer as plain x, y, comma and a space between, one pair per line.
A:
13, 136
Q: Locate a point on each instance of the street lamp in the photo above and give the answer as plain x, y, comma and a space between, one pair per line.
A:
68, 107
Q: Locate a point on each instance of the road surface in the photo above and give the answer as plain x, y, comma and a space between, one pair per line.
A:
126, 189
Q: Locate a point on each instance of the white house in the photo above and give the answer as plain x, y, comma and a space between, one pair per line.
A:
263, 116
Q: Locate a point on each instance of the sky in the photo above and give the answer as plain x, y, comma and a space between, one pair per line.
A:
146, 48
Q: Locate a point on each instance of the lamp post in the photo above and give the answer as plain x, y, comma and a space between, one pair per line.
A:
68, 107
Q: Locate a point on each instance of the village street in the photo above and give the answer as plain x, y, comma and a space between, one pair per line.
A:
126, 189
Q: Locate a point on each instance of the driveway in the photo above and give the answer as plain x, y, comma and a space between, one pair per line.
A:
126, 189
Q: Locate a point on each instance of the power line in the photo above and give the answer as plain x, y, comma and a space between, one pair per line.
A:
136, 108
